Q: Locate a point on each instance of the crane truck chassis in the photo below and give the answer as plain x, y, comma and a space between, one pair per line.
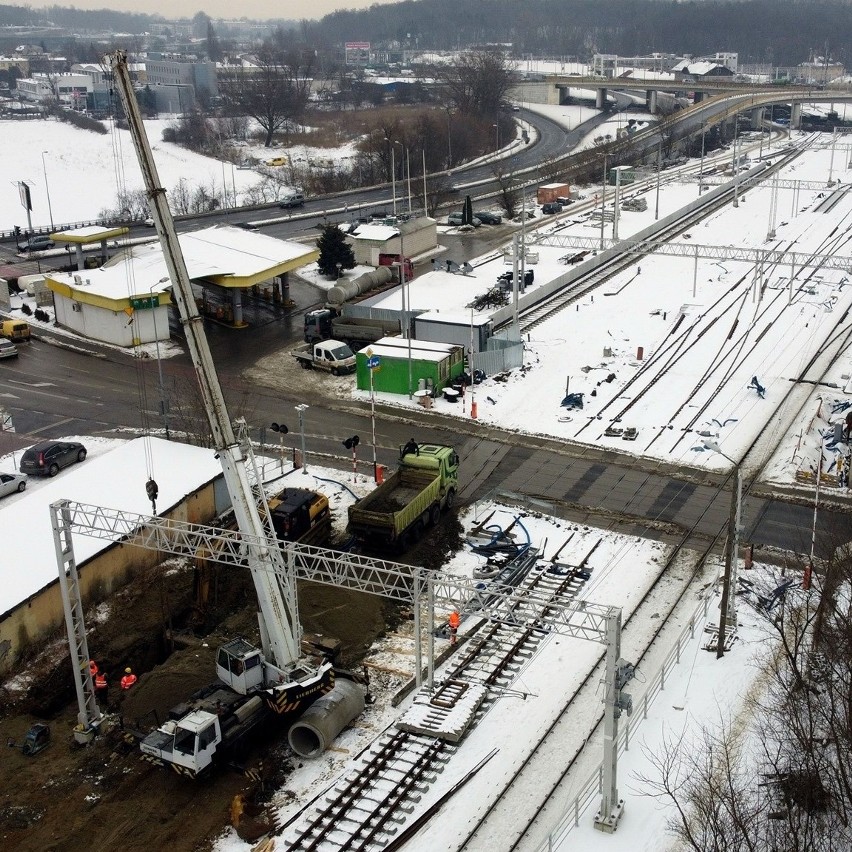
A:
221, 721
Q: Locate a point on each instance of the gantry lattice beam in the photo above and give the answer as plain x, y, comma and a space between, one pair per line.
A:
797, 260
559, 613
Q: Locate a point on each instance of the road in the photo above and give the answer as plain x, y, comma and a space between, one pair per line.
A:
59, 387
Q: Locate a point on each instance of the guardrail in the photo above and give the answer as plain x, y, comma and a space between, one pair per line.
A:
593, 787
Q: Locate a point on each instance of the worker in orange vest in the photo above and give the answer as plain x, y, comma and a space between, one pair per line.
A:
93, 669
454, 621
129, 679
101, 686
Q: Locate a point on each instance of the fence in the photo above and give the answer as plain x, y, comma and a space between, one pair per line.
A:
592, 789
503, 353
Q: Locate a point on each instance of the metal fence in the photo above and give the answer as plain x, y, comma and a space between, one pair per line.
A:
591, 791
504, 353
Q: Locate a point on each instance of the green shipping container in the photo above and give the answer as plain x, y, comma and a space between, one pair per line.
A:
440, 362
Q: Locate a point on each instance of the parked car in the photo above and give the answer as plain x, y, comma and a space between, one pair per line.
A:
488, 218
39, 243
277, 161
456, 219
12, 483
246, 226
8, 349
149, 222
551, 207
49, 457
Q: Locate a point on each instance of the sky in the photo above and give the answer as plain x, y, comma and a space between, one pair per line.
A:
602, 334
252, 9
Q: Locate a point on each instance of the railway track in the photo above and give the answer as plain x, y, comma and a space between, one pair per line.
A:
579, 287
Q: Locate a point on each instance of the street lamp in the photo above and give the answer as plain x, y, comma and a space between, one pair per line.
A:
449, 141
282, 430
393, 172
47, 189
407, 172
302, 409
728, 608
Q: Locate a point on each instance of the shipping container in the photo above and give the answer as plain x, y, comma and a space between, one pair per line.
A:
551, 191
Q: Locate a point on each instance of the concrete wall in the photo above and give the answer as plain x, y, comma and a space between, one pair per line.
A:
41, 617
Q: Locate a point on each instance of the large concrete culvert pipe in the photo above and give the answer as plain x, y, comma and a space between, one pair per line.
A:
326, 718
345, 290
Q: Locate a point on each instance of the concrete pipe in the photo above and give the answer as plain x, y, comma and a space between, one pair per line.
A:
326, 718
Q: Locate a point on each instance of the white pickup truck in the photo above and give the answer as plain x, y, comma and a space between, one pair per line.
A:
331, 355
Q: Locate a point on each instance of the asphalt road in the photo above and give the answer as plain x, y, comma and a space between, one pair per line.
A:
62, 387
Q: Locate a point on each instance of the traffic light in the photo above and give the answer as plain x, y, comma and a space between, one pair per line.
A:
351, 443
279, 427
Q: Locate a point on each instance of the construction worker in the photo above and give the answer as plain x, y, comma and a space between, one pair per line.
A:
454, 621
129, 679
101, 687
93, 669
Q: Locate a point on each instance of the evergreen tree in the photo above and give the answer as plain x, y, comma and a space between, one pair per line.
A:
334, 250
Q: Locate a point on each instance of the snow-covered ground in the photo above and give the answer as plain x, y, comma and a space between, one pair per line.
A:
602, 333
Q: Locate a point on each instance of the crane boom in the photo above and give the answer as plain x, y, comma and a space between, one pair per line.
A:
279, 612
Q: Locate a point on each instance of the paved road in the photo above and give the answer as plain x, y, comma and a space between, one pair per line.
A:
53, 390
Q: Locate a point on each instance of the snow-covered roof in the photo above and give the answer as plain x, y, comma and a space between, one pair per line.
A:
88, 234
454, 317
114, 474
374, 232
230, 257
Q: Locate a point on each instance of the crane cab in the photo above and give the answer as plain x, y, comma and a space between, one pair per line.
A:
240, 665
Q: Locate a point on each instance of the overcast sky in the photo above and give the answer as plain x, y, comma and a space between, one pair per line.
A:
259, 9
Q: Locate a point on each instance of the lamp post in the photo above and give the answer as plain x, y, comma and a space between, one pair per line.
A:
701, 168
393, 172
371, 365
47, 188
449, 141
727, 607
282, 430
407, 174
496, 136
302, 408
659, 166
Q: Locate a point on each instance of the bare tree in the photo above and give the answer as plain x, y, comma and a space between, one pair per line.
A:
510, 192
478, 82
785, 783
272, 87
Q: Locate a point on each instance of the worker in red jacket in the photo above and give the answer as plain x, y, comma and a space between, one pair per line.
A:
93, 669
129, 679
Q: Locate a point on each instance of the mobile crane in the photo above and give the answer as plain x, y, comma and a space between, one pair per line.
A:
284, 682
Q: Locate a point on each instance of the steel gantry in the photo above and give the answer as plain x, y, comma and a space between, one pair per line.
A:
558, 613
797, 260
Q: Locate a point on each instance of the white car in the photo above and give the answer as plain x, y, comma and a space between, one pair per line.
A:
12, 483
149, 222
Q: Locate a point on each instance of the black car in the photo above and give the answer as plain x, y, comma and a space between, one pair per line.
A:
49, 457
487, 217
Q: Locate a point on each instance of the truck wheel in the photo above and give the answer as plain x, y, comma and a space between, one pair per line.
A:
451, 498
306, 365
335, 371
434, 514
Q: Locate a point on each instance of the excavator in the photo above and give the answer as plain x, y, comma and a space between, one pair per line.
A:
254, 684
